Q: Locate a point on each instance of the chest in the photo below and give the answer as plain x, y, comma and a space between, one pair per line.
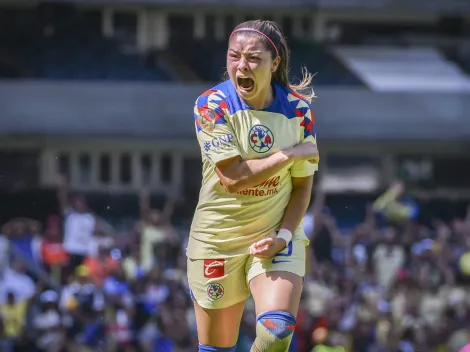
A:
260, 134
79, 222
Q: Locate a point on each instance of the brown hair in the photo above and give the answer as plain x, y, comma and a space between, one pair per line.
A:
272, 30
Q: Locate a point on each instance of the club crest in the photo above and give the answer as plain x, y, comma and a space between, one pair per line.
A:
207, 120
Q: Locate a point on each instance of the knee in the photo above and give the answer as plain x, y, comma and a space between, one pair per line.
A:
274, 330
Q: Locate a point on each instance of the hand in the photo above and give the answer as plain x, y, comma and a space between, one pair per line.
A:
305, 151
267, 247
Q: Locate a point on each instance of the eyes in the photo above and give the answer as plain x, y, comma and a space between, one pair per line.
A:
250, 58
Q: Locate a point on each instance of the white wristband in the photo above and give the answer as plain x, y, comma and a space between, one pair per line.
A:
286, 235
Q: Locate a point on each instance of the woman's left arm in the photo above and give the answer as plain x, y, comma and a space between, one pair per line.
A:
302, 173
302, 181
293, 215
298, 203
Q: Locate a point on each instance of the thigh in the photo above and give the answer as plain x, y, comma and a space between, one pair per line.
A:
219, 291
218, 327
276, 283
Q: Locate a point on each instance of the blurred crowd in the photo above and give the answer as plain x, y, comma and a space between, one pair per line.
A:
387, 285
74, 284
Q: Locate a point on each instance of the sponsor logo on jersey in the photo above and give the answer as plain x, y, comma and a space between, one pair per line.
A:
261, 139
207, 120
218, 143
215, 291
265, 188
214, 268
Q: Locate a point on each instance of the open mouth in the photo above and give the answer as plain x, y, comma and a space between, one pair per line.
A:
246, 83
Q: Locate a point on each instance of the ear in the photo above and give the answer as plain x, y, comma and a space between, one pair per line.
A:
275, 64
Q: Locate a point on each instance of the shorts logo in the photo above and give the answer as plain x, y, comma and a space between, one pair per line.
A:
215, 291
284, 255
207, 120
261, 139
214, 268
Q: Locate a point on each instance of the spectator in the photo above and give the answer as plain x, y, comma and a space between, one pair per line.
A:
132, 265
388, 257
15, 280
154, 229
395, 205
101, 266
52, 250
13, 314
49, 324
79, 225
24, 236
83, 305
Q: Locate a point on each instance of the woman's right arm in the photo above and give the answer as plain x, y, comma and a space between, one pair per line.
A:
218, 144
237, 174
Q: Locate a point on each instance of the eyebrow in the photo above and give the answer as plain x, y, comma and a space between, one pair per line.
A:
258, 52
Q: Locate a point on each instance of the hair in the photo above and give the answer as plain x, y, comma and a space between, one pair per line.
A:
273, 31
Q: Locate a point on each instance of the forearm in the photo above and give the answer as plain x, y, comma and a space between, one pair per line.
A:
296, 208
250, 173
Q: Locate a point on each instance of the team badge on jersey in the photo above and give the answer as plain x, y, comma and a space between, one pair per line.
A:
261, 139
207, 120
215, 291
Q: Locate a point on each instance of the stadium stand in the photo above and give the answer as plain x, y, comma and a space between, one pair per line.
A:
207, 57
460, 55
404, 69
318, 59
69, 45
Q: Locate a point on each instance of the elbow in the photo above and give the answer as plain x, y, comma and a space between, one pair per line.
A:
232, 186
231, 176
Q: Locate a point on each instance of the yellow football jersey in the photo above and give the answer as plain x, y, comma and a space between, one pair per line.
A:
225, 224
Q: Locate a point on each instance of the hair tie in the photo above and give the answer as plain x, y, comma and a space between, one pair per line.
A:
259, 32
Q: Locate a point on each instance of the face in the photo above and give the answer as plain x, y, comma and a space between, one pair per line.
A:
83, 279
19, 228
79, 204
155, 217
250, 67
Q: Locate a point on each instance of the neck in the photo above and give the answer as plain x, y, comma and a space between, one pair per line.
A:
262, 100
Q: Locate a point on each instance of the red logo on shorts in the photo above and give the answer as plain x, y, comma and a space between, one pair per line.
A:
214, 268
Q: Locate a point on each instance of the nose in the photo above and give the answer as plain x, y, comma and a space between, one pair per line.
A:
243, 64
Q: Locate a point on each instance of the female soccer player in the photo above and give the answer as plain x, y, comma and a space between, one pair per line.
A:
259, 155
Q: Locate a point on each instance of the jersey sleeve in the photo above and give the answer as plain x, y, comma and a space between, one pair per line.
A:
305, 168
214, 134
